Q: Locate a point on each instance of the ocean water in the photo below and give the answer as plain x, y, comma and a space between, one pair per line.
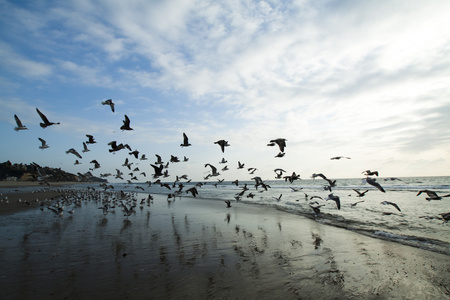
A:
418, 223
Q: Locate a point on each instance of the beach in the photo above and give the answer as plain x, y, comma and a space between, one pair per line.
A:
191, 248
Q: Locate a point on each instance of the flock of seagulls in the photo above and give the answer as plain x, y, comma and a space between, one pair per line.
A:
160, 168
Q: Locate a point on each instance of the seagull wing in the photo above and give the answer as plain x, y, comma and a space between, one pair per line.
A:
43, 117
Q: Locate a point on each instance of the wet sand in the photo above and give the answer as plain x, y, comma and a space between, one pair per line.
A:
199, 249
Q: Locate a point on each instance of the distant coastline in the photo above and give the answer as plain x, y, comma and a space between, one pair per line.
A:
33, 174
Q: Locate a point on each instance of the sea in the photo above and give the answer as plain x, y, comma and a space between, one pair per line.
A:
418, 224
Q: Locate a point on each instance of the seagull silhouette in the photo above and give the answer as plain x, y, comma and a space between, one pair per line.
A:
19, 124
280, 142
222, 144
185, 141
45, 120
126, 124
110, 103
90, 139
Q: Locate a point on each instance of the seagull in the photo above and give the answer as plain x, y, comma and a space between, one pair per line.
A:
354, 204
90, 139
193, 191
158, 170
278, 198
158, 160
251, 170
74, 152
360, 194
77, 162
223, 161
228, 202
185, 141
339, 157
432, 195
370, 173
19, 124
316, 207
126, 124
222, 144
240, 166
44, 144
85, 148
135, 153
110, 103
280, 142
213, 169
335, 199
96, 164
143, 157
127, 164
375, 184
45, 120
391, 203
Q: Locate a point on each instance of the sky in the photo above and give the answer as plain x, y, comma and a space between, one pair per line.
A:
369, 80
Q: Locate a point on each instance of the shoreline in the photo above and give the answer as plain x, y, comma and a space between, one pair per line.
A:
18, 184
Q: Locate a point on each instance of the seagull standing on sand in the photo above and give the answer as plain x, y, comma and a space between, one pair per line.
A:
110, 103
19, 124
45, 120
44, 144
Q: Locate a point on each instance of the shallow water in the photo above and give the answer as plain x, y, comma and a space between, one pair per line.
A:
417, 224
191, 248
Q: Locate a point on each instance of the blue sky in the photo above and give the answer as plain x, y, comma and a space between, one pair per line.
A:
364, 79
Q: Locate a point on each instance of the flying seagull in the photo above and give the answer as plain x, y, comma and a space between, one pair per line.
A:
360, 194
375, 184
432, 195
45, 120
335, 199
228, 202
19, 124
90, 139
193, 191
126, 124
44, 144
391, 203
185, 141
213, 169
339, 157
74, 152
280, 142
370, 173
222, 144
85, 148
110, 103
